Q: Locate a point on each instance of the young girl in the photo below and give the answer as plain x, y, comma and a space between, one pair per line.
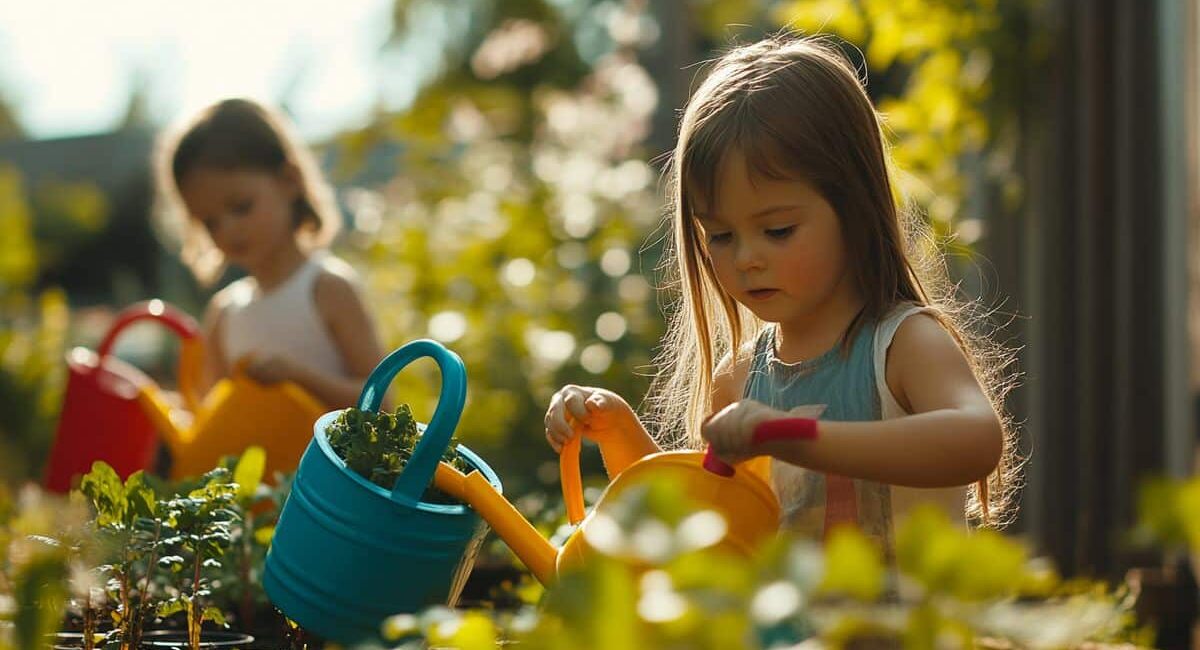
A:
239, 189
792, 260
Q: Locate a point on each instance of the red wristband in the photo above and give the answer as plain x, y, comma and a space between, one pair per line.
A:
785, 429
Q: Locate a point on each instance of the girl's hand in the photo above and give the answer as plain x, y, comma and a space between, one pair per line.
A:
596, 413
730, 431
268, 369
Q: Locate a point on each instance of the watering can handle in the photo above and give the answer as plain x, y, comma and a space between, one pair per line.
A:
191, 355
571, 479
779, 429
418, 473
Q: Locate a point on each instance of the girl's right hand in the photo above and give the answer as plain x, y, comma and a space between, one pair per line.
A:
596, 413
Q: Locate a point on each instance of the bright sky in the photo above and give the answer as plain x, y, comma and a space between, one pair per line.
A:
68, 67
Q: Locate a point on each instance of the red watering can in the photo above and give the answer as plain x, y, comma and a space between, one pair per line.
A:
102, 418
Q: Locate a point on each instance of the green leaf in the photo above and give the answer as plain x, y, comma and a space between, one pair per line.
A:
215, 475
853, 565
264, 535
103, 487
139, 496
215, 615
991, 566
249, 472
169, 607
1188, 508
473, 631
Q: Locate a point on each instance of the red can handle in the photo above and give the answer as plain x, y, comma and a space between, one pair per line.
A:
182, 324
780, 429
177, 321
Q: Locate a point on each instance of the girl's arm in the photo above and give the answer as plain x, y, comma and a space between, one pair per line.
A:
345, 315
953, 437
214, 351
601, 415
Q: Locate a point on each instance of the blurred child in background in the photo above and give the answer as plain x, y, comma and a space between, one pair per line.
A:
240, 189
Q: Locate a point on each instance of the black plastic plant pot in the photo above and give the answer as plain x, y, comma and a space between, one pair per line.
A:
177, 639
67, 641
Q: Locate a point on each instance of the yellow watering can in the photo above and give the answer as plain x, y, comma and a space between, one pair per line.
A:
743, 497
238, 412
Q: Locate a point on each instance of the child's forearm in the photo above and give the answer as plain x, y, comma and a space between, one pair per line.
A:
635, 444
935, 449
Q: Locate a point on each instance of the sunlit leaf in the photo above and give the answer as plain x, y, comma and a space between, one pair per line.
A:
474, 631
249, 471
853, 565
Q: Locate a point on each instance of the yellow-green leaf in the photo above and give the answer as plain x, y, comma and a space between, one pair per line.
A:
249, 471
474, 631
853, 565
264, 535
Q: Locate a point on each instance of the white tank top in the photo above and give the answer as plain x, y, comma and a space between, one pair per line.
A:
283, 321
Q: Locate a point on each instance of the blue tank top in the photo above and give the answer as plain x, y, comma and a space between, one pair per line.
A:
839, 385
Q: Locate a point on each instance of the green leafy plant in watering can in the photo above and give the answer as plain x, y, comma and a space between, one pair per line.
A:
377, 446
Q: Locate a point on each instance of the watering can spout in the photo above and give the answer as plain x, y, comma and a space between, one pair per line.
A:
474, 489
160, 413
174, 423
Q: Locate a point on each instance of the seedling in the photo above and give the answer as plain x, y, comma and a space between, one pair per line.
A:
200, 530
126, 520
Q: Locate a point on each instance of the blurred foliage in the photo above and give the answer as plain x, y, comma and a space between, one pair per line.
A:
33, 322
655, 577
512, 230
18, 253
947, 76
32, 343
949, 588
518, 226
42, 225
46, 559
1169, 514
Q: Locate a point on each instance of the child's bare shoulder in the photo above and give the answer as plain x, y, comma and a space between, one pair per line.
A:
221, 300
337, 285
921, 333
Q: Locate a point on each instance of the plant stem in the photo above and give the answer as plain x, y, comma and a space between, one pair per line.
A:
194, 619
89, 622
126, 616
247, 606
139, 618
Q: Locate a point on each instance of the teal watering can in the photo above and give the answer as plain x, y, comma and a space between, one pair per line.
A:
347, 553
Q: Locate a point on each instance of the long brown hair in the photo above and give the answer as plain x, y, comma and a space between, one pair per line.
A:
795, 108
237, 134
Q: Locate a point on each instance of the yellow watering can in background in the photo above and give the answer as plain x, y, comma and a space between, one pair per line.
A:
238, 412
743, 497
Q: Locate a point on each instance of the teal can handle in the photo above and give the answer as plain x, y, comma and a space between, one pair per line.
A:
418, 473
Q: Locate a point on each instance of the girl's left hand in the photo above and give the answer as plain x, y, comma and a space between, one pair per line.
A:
731, 429
268, 369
